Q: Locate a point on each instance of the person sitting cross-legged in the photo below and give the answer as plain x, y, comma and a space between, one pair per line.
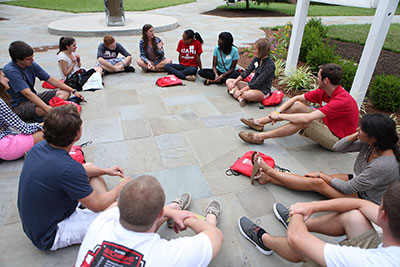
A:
336, 117
127, 233
350, 217
52, 185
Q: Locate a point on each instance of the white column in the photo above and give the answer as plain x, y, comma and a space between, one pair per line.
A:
372, 49
300, 19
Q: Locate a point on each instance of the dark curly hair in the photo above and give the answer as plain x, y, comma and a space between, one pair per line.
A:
61, 125
383, 129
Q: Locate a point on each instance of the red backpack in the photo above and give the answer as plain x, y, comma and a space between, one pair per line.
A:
168, 81
77, 154
244, 165
57, 101
274, 99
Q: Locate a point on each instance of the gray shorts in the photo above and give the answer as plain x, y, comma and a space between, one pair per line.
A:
27, 110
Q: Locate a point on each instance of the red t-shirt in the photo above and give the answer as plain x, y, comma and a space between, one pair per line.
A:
189, 52
340, 109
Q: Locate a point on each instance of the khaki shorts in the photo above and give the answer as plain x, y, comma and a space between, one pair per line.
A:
368, 239
319, 132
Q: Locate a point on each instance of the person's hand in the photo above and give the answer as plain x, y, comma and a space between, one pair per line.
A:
160, 45
313, 175
179, 216
218, 78
274, 116
124, 181
47, 108
237, 93
77, 94
78, 58
115, 171
304, 208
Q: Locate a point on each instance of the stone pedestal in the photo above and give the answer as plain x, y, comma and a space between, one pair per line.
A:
114, 12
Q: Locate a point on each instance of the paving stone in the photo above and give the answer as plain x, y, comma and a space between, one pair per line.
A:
220, 183
204, 109
121, 98
257, 201
176, 157
13, 214
179, 109
7, 189
169, 141
215, 148
133, 156
62, 257
185, 99
175, 123
19, 250
177, 181
223, 120
11, 168
134, 129
102, 130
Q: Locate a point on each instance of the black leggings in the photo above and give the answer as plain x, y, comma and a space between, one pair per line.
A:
209, 74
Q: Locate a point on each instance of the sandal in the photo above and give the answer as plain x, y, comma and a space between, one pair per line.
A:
256, 169
231, 91
207, 82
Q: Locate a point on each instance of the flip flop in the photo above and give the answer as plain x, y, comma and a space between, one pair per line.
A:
253, 155
255, 171
207, 82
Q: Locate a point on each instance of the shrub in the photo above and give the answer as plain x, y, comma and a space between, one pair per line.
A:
385, 92
316, 24
320, 54
349, 68
314, 31
301, 78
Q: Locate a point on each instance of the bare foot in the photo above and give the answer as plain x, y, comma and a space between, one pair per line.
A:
264, 178
264, 166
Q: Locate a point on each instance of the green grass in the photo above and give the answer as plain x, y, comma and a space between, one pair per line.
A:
314, 10
359, 33
80, 6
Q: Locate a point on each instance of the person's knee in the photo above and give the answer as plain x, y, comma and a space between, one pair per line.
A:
317, 183
298, 107
353, 217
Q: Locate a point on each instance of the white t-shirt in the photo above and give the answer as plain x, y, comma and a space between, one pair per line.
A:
107, 242
336, 255
63, 57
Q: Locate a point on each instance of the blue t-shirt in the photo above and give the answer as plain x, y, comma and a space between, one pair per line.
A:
50, 185
21, 79
227, 58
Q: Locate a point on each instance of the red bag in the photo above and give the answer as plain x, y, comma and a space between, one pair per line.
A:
274, 99
249, 78
57, 101
168, 81
77, 154
245, 166
46, 85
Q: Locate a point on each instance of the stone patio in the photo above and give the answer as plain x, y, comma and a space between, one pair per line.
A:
186, 136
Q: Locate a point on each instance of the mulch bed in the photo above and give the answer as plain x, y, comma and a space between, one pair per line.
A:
3, 18
45, 48
388, 63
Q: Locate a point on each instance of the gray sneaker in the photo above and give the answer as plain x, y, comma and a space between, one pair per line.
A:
282, 214
253, 233
213, 208
183, 201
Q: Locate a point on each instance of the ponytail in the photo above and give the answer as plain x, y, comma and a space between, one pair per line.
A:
190, 34
197, 36
64, 41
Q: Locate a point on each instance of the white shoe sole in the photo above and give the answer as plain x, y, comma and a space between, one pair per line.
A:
278, 216
254, 243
